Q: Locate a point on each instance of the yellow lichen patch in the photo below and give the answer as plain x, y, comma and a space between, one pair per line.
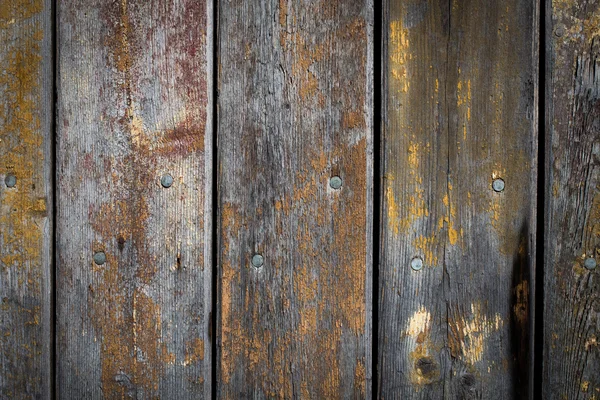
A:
194, 351
23, 207
230, 226
393, 218
360, 377
464, 103
426, 246
305, 55
399, 55
137, 354
469, 334
449, 217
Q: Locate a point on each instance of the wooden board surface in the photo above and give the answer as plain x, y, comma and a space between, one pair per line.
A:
458, 112
26, 207
134, 104
295, 109
572, 231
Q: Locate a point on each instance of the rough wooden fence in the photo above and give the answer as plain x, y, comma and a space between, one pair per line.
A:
299, 199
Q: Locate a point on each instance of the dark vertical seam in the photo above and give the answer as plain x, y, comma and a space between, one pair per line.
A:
214, 203
378, 81
538, 315
53, 208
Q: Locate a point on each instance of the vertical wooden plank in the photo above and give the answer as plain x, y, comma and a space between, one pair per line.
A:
26, 199
571, 368
295, 109
134, 104
459, 113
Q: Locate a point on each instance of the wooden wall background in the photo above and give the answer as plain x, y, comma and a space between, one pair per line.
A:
299, 199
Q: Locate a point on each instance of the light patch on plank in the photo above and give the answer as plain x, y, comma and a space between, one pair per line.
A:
418, 322
468, 335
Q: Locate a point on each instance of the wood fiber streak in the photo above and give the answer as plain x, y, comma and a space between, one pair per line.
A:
134, 103
295, 108
458, 111
26, 208
572, 231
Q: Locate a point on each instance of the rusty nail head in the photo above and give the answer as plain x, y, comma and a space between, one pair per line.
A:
590, 263
166, 181
498, 185
416, 263
99, 257
335, 182
257, 261
10, 180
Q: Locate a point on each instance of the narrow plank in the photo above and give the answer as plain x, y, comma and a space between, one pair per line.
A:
459, 112
134, 104
295, 109
571, 368
26, 89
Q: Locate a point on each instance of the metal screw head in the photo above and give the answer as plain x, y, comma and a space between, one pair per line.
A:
10, 180
166, 181
590, 263
416, 263
99, 257
498, 185
257, 260
560, 30
335, 182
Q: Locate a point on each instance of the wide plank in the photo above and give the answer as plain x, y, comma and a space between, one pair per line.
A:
26, 112
459, 162
134, 263
295, 163
571, 358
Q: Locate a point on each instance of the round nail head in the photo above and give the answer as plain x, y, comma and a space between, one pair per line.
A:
590, 263
257, 261
10, 180
166, 181
498, 185
100, 257
335, 182
416, 263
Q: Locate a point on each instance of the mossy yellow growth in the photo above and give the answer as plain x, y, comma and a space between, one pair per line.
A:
399, 54
22, 144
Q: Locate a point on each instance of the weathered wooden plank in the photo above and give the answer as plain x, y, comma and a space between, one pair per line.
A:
295, 109
571, 368
134, 104
26, 88
459, 112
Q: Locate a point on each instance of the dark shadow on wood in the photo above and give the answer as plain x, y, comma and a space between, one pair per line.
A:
519, 316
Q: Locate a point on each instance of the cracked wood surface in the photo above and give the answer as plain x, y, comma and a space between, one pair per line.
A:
459, 111
134, 103
295, 109
572, 228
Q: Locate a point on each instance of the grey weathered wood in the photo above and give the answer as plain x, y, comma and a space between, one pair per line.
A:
458, 111
26, 209
134, 103
572, 226
295, 109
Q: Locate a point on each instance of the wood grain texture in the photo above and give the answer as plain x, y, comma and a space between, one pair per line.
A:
458, 112
134, 103
295, 109
572, 232
26, 208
